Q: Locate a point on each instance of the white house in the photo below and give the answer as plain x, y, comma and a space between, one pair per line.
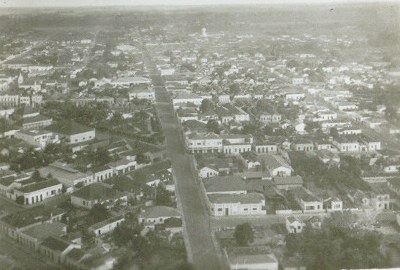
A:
267, 118
204, 143
97, 193
130, 81
347, 144
158, 215
182, 97
207, 172
37, 138
276, 165
294, 224
251, 259
39, 191
237, 204
106, 226
266, 147
308, 201
73, 132
143, 93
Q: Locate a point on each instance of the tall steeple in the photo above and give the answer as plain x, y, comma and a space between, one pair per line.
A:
20, 79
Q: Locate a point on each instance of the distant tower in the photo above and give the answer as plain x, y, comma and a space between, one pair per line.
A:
20, 79
204, 32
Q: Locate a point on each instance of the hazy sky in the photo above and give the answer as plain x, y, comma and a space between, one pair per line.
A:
71, 3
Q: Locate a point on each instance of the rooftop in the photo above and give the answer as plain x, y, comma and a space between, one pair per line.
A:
43, 230
224, 184
39, 185
55, 243
69, 128
96, 191
160, 211
250, 198
288, 180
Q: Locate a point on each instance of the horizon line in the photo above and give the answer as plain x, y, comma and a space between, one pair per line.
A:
113, 4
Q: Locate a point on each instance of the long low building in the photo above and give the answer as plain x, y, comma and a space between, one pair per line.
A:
39, 191
237, 204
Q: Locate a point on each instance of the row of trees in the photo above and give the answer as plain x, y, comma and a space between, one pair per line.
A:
338, 245
347, 174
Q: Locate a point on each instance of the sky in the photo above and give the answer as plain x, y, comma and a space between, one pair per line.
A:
73, 3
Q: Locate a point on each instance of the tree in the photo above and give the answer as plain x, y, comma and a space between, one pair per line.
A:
36, 176
337, 245
334, 132
206, 105
141, 159
234, 89
99, 212
122, 234
88, 238
20, 200
163, 196
244, 234
213, 126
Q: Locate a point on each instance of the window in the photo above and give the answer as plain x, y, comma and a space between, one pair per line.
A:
219, 209
254, 209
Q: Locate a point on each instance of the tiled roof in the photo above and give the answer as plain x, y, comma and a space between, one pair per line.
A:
288, 180
160, 211
39, 185
224, 184
250, 198
69, 128
55, 243
96, 191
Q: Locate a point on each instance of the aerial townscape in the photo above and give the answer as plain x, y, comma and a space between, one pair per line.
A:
200, 137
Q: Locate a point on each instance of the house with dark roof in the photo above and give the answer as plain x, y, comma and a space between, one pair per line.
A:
67, 174
14, 223
38, 191
55, 249
157, 215
34, 235
97, 193
276, 165
288, 182
36, 122
307, 200
107, 225
294, 224
73, 132
225, 185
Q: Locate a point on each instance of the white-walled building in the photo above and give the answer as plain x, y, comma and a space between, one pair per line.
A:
207, 172
267, 118
252, 260
73, 133
37, 138
182, 97
158, 215
39, 191
142, 93
237, 204
107, 225
204, 143
294, 225
130, 81
97, 193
